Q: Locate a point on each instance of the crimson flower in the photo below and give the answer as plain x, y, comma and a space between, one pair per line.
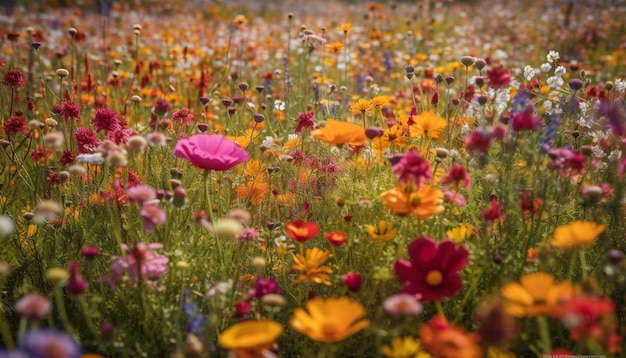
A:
412, 167
498, 77
301, 230
214, 152
525, 120
434, 269
13, 78
336, 238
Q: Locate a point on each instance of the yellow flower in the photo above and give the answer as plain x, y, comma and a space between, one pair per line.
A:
240, 20
335, 47
345, 27
329, 320
428, 124
311, 266
494, 352
461, 233
422, 202
339, 133
577, 234
404, 347
250, 338
537, 295
381, 101
361, 106
383, 231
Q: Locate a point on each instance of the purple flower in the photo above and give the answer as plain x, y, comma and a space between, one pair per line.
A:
50, 343
214, 152
266, 286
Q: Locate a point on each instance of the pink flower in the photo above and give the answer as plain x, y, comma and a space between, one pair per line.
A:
183, 116
87, 140
77, 285
525, 120
213, 152
498, 77
412, 167
353, 281
433, 271
305, 120
33, 306
140, 261
493, 213
14, 78
152, 215
403, 304
455, 175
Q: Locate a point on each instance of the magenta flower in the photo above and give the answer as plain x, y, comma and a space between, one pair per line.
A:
152, 215
77, 285
412, 167
434, 269
525, 120
106, 120
213, 152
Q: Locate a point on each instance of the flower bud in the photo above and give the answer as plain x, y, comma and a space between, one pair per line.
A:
61, 72
467, 60
353, 281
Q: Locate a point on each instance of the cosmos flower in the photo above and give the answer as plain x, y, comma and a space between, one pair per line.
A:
213, 152
310, 266
577, 234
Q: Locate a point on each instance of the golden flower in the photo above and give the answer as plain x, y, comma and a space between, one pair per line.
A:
361, 106
252, 191
240, 20
383, 231
329, 320
404, 347
428, 124
537, 295
345, 27
381, 101
391, 135
311, 266
250, 338
422, 202
577, 234
339, 133
461, 233
335, 47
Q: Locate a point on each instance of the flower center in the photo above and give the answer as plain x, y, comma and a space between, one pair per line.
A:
434, 278
415, 199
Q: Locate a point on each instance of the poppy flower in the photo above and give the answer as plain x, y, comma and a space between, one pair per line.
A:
301, 230
250, 338
213, 152
434, 269
336, 238
339, 133
577, 234
536, 294
329, 320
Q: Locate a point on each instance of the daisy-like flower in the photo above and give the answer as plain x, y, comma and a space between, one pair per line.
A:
537, 294
428, 124
381, 101
335, 47
404, 347
361, 107
329, 320
311, 267
433, 271
422, 202
250, 338
345, 28
339, 133
577, 234
383, 231
461, 233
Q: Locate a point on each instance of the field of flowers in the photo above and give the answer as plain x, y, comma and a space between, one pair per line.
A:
313, 179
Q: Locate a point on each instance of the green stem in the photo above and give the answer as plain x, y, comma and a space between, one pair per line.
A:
544, 333
60, 304
85, 308
5, 332
583, 263
207, 195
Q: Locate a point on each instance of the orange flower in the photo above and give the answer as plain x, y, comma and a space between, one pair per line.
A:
577, 234
339, 133
422, 202
428, 124
335, 47
252, 191
537, 295
311, 266
345, 27
361, 106
441, 339
250, 338
301, 230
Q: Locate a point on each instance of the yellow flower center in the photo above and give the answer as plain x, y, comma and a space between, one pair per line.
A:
415, 199
434, 278
300, 231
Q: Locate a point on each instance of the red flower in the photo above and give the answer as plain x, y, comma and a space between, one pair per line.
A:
106, 120
305, 120
301, 230
87, 140
76, 285
493, 213
434, 270
498, 77
336, 238
15, 124
455, 175
353, 281
13, 78
67, 110
412, 167
525, 120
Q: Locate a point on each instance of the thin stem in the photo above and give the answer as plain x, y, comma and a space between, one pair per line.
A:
544, 333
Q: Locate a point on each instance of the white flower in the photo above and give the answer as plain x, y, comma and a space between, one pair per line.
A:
559, 71
545, 67
279, 105
620, 85
7, 226
292, 136
96, 158
529, 73
615, 155
268, 142
555, 82
552, 56
547, 106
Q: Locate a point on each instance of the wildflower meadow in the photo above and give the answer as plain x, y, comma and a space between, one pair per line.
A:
240, 179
